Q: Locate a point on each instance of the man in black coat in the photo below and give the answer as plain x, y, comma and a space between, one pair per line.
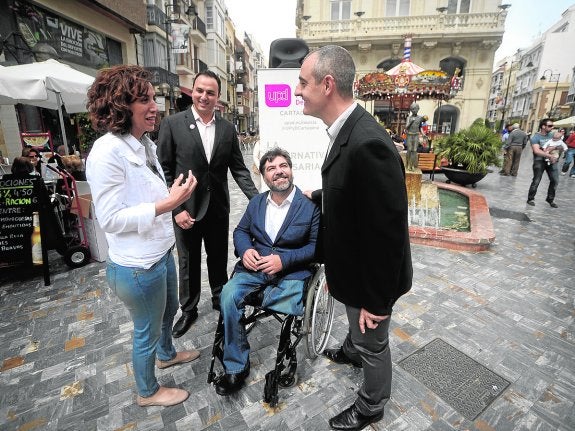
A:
364, 234
207, 144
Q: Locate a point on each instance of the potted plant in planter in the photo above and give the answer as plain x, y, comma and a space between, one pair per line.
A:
470, 152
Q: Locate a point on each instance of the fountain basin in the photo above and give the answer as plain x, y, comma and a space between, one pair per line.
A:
480, 235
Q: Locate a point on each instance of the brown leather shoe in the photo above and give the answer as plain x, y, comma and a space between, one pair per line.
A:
180, 358
164, 397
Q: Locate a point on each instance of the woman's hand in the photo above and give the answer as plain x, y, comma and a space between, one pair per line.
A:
179, 193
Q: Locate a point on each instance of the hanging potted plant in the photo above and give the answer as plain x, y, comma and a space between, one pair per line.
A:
469, 152
86, 134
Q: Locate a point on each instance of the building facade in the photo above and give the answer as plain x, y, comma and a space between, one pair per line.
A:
542, 78
174, 39
461, 35
86, 35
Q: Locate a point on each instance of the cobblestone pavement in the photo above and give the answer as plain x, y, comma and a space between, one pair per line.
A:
65, 348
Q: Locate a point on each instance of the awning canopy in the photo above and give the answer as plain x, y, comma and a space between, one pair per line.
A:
186, 91
565, 122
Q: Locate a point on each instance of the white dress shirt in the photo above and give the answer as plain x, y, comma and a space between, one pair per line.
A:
124, 192
333, 130
276, 214
207, 132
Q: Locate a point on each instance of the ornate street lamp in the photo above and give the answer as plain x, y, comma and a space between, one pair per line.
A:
553, 77
171, 93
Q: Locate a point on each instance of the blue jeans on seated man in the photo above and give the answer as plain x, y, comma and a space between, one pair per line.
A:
151, 297
283, 297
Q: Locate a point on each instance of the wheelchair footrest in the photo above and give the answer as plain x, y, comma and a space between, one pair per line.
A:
271, 388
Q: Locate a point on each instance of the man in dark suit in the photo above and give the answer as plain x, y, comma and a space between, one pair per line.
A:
364, 234
276, 240
207, 144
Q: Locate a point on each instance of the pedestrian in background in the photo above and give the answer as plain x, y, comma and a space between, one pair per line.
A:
33, 155
540, 165
133, 206
570, 155
365, 237
516, 141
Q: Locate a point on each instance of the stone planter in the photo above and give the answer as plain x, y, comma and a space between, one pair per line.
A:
461, 176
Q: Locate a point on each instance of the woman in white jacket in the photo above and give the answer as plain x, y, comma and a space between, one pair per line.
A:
133, 205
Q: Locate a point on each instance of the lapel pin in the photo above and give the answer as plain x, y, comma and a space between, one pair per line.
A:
192, 126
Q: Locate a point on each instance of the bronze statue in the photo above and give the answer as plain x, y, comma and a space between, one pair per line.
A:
412, 128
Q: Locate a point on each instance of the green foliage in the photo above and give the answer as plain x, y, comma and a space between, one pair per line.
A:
473, 149
86, 135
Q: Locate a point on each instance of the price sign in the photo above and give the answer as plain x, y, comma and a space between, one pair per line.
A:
18, 202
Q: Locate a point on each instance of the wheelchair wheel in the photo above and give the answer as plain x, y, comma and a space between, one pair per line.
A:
318, 315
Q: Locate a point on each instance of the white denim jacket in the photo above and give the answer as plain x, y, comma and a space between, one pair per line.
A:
124, 191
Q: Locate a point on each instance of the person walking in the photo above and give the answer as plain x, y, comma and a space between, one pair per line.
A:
516, 142
133, 206
364, 236
540, 164
199, 140
569, 156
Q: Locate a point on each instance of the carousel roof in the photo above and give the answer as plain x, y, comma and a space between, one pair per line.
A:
406, 67
423, 84
408, 80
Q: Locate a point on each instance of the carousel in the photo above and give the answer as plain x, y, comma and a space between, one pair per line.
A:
406, 83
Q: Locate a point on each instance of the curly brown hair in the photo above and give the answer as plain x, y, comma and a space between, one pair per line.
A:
109, 97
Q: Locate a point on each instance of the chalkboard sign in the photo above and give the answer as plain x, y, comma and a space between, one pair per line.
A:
21, 205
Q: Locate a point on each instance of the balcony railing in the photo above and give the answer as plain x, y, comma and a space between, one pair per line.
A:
198, 65
156, 16
160, 75
470, 23
200, 26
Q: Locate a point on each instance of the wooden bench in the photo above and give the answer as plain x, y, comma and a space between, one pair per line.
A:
427, 162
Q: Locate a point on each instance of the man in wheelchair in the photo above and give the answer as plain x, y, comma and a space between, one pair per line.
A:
275, 240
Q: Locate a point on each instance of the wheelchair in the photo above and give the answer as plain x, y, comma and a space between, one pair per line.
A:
314, 327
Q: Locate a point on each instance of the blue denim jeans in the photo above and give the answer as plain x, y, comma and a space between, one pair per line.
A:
151, 297
540, 166
569, 158
284, 297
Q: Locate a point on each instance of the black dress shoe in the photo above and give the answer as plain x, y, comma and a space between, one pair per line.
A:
184, 323
216, 292
227, 384
552, 204
337, 356
352, 419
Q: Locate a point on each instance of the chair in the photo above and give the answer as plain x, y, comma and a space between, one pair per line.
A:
427, 162
314, 327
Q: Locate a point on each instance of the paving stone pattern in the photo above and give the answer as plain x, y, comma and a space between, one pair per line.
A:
65, 357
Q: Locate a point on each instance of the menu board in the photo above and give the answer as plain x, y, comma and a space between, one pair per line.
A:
20, 233
17, 205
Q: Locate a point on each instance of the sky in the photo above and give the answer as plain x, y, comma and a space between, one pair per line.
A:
264, 20
267, 20
526, 20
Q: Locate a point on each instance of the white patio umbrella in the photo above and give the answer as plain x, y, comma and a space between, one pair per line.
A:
47, 84
565, 122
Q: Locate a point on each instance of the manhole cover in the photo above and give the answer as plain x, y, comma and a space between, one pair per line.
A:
514, 215
463, 383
